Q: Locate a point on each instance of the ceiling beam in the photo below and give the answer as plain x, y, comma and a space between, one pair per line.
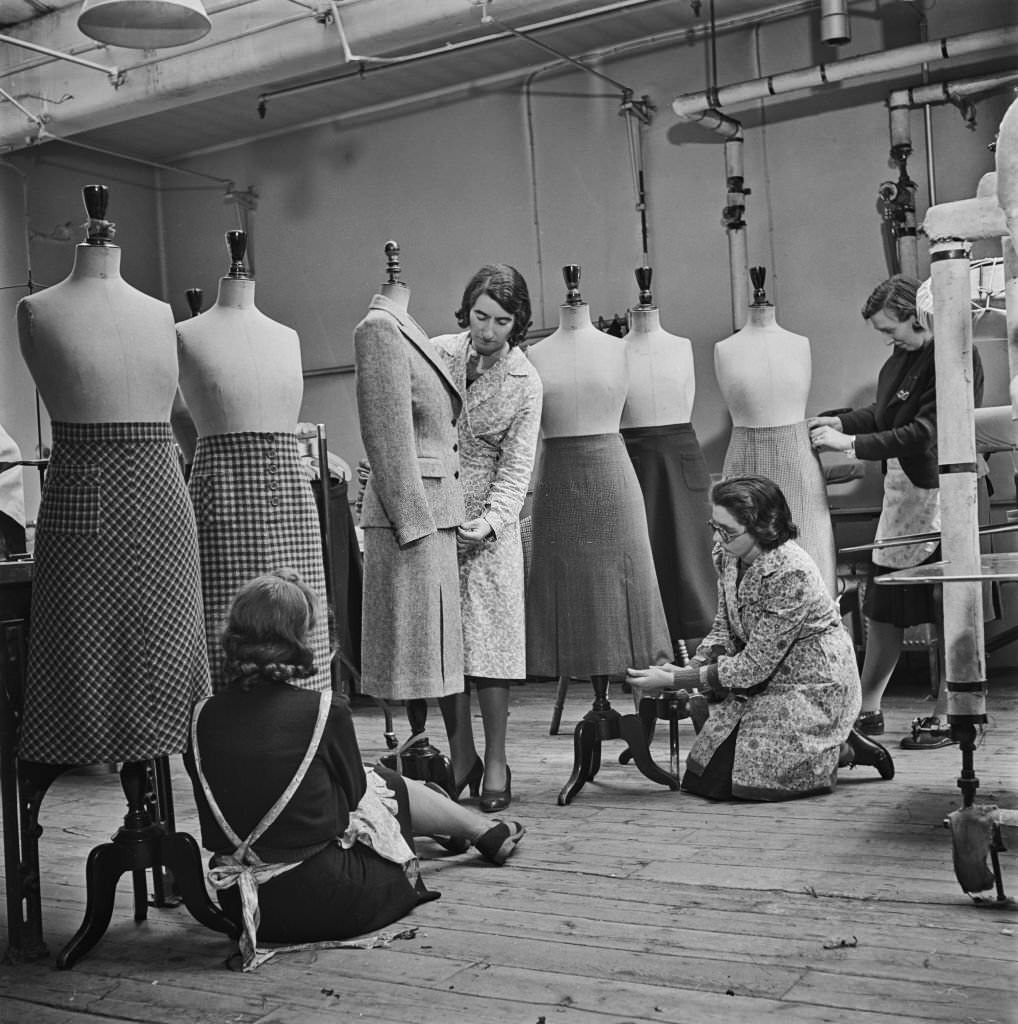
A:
254, 44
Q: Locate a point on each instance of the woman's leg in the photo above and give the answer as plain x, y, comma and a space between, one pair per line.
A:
432, 814
493, 699
456, 715
883, 647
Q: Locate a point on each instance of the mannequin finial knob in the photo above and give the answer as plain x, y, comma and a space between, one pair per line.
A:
194, 300
98, 230
571, 276
758, 275
236, 245
643, 276
392, 266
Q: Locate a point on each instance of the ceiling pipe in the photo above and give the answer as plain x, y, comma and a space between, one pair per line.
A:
897, 199
819, 75
835, 27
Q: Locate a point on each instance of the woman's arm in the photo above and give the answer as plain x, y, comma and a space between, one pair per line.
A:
508, 489
785, 599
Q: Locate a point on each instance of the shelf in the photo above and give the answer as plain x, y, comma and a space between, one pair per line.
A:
923, 538
992, 567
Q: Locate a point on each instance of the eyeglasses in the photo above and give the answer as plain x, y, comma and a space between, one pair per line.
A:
726, 533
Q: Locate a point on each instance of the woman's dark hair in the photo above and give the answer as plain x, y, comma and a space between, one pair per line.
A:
896, 296
506, 286
757, 503
267, 629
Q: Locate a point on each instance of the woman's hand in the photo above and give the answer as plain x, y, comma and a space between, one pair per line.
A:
656, 677
823, 421
474, 531
829, 439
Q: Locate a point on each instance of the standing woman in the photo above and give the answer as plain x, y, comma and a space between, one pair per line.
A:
899, 429
498, 438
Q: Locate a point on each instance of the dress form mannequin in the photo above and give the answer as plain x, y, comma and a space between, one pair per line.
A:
670, 466
764, 373
241, 377
117, 658
412, 634
593, 605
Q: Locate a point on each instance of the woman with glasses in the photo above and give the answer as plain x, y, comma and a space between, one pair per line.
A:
777, 669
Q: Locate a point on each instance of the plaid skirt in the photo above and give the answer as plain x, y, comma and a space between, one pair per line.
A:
117, 656
593, 604
785, 455
255, 512
675, 482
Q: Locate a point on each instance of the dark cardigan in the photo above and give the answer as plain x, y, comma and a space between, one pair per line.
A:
902, 423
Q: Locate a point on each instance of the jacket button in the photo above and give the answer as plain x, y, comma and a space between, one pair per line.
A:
455, 447
454, 423
456, 474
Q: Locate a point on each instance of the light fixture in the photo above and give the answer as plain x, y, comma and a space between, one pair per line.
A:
144, 24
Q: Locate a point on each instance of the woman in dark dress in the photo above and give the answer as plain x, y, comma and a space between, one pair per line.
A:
337, 858
900, 429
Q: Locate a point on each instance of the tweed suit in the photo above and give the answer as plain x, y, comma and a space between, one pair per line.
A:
412, 636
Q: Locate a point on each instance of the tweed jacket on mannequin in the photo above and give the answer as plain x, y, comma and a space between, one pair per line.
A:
409, 408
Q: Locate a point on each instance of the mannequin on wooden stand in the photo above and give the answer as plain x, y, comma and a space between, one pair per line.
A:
412, 634
592, 593
116, 659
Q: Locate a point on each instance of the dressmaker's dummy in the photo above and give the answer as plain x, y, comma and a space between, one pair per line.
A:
765, 372
117, 658
240, 374
412, 633
593, 605
673, 475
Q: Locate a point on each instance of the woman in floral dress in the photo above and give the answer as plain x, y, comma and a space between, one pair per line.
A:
498, 437
778, 668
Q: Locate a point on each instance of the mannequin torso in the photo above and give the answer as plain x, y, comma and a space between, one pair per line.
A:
584, 374
98, 349
239, 370
764, 372
661, 380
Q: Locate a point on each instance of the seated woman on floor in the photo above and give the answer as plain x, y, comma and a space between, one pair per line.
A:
778, 668
308, 844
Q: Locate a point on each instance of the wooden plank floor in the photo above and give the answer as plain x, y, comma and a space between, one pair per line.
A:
632, 904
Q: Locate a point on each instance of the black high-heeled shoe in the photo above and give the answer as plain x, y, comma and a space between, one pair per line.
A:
499, 843
498, 799
471, 779
867, 751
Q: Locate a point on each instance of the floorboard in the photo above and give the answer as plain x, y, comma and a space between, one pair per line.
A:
633, 904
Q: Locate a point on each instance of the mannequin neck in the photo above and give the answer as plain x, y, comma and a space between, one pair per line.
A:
761, 316
236, 292
96, 261
396, 292
644, 320
574, 318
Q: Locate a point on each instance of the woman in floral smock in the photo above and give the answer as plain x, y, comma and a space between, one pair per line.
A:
498, 437
778, 667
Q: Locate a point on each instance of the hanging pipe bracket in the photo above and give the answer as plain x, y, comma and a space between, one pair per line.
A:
731, 215
642, 109
897, 198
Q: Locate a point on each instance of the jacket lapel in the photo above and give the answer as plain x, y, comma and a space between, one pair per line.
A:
414, 333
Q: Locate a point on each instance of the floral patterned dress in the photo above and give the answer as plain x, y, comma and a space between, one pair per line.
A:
498, 438
783, 652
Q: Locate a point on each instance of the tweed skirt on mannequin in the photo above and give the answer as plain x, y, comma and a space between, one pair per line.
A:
255, 512
117, 658
676, 491
593, 604
785, 455
412, 637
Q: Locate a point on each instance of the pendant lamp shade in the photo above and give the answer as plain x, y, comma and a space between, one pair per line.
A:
144, 24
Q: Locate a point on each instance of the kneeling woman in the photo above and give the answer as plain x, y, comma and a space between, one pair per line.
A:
778, 667
308, 844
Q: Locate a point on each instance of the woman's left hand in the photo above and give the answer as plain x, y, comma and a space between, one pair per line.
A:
474, 531
656, 677
827, 439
